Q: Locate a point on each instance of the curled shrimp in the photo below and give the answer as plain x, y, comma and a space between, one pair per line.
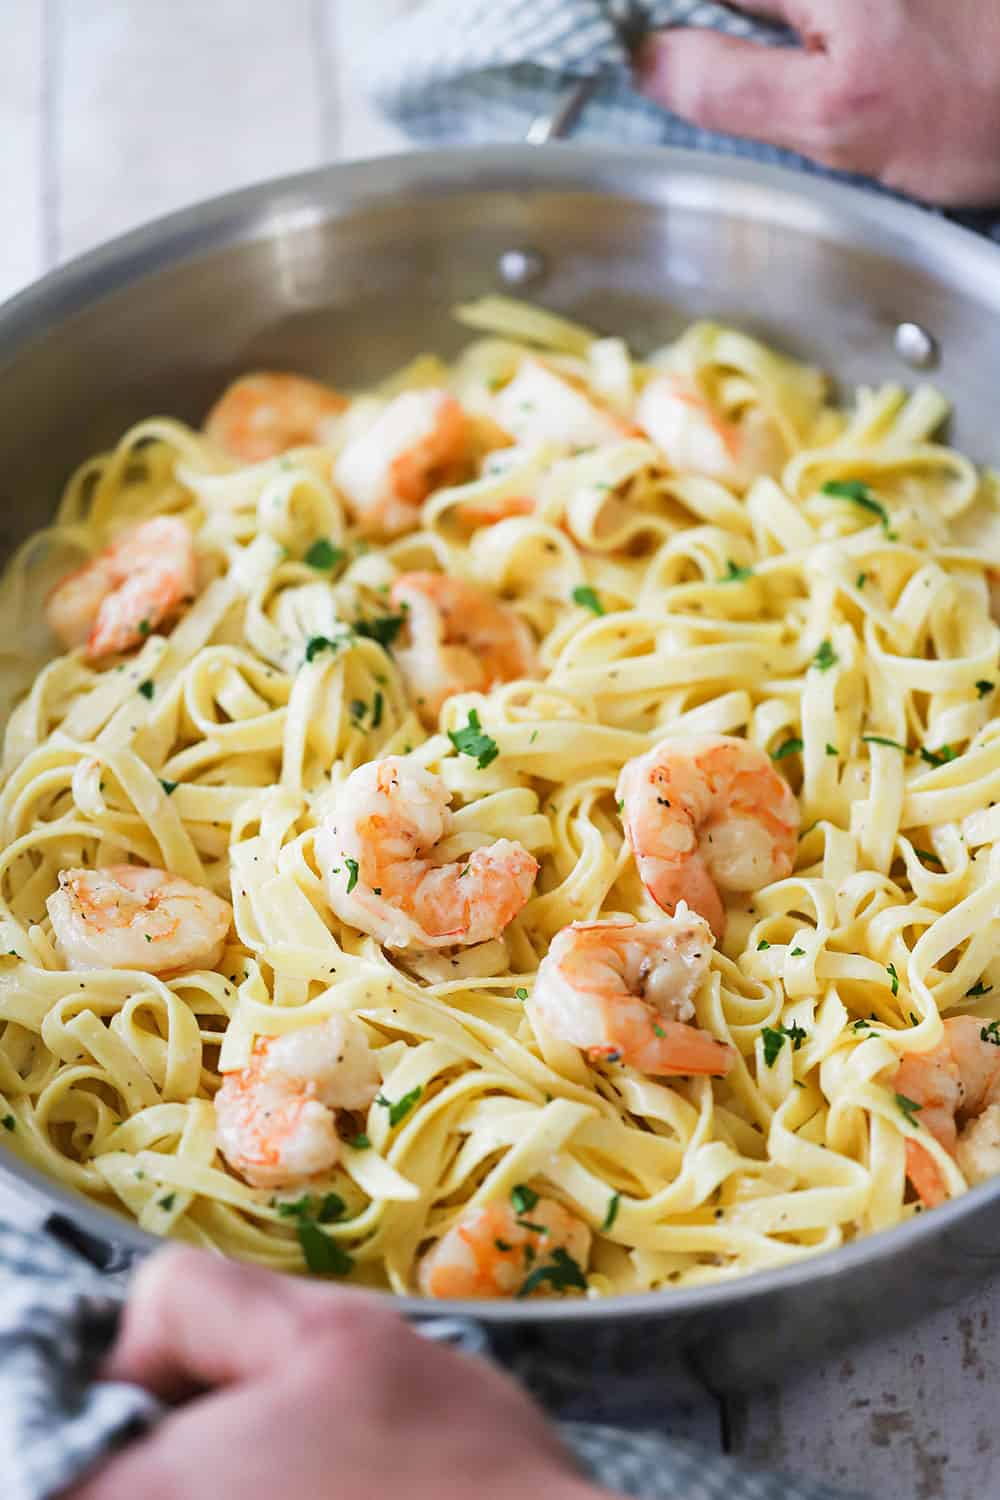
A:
676, 416
705, 813
274, 1120
540, 406
624, 991
492, 1250
137, 917
459, 639
262, 415
956, 1087
416, 444
389, 814
114, 601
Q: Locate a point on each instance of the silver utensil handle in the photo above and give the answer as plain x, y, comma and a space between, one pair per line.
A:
568, 109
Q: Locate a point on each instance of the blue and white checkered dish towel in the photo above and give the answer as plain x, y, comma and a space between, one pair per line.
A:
480, 71
57, 1318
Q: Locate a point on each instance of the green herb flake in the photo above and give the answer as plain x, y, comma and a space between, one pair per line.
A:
146, 688
929, 857
383, 629
832, 750
358, 709
503, 1246
352, 874
318, 643
378, 703
861, 580
983, 687
774, 1039
612, 1213
323, 1255
880, 739
8, 1122
584, 595
169, 787
734, 573
979, 989
862, 1025
763, 945
402, 1106
859, 494
939, 757
520, 993
323, 555
792, 746
825, 657
658, 1030
144, 627
890, 969
990, 1033
797, 953
561, 1273
360, 1142
474, 742
523, 1198
909, 1108
167, 1202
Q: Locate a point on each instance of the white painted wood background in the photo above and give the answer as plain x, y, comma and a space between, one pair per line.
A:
114, 111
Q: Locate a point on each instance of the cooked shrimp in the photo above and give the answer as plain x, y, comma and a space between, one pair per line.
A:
957, 1089
388, 816
274, 1120
705, 813
624, 991
415, 445
260, 416
137, 917
459, 639
540, 406
492, 1250
679, 420
114, 601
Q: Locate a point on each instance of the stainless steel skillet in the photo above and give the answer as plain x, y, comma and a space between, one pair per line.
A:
346, 272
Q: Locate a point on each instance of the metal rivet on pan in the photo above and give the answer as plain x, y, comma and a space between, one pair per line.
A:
916, 346
521, 267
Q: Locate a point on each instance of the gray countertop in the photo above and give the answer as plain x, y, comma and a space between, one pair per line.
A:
115, 111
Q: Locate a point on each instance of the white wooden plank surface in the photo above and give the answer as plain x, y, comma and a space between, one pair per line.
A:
115, 111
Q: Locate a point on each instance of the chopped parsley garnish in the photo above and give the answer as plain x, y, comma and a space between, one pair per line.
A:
734, 573
860, 1025
318, 643
861, 580
360, 1142
520, 993
797, 953
323, 554
145, 688
774, 1039
983, 687
890, 969
909, 1108
939, 757
383, 629
658, 1030
612, 1213
859, 494
402, 1106
503, 1246
474, 742
523, 1198
323, 1255
763, 945
352, 874
931, 858
378, 702
8, 1122
144, 627
325, 1210
585, 595
791, 746
169, 786
990, 1033
561, 1273
167, 1202
825, 657
979, 989
880, 739
832, 750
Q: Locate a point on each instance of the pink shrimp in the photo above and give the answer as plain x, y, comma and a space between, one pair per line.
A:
705, 813
262, 415
494, 1249
542, 405
680, 421
137, 917
113, 602
416, 444
274, 1118
459, 639
956, 1088
624, 991
388, 816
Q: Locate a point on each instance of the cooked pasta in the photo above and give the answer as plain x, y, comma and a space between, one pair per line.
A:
675, 650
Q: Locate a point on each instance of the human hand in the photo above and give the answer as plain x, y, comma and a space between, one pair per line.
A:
906, 91
313, 1392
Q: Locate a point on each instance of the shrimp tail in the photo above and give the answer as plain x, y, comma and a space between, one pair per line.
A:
925, 1174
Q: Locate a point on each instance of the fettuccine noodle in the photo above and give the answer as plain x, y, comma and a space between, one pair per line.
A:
834, 611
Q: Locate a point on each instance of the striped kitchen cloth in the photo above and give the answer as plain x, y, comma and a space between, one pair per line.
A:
58, 1314
481, 71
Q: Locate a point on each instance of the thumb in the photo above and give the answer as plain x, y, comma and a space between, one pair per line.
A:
193, 1320
723, 83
